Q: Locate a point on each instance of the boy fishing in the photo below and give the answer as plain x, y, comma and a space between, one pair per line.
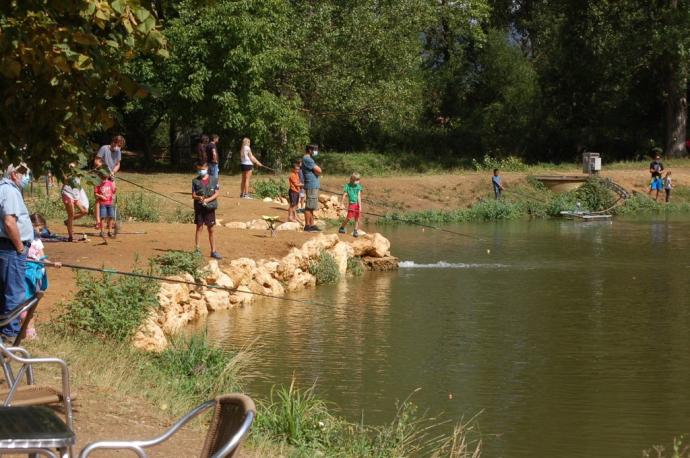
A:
295, 188
352, 191
205, 191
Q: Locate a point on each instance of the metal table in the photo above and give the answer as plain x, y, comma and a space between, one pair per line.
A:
34, 430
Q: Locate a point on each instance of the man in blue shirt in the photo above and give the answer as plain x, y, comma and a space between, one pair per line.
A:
496, 182
311, 172
16, 234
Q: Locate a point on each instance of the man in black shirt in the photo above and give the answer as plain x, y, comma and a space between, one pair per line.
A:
655, 169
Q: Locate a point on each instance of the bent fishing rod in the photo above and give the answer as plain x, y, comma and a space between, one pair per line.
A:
172, 280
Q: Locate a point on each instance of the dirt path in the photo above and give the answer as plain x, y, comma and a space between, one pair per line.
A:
102, 413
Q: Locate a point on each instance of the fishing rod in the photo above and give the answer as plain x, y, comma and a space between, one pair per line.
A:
154, 192
172, 280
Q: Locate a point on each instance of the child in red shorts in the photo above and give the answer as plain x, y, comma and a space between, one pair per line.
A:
352, 191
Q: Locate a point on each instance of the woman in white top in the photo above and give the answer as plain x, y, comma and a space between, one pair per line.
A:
247, 162
73, 198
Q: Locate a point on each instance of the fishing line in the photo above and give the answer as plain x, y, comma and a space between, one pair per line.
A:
154, 192
172, 280
395, 218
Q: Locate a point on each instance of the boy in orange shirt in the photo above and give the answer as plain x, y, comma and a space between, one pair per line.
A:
295, 187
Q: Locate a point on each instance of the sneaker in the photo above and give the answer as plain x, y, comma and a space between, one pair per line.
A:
355, 233
314, 229
341, 230
7, 340
216, 255
247, 196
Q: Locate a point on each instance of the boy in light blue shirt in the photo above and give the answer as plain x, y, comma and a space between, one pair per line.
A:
496, 182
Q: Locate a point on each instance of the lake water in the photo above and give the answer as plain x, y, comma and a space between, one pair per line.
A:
571, 338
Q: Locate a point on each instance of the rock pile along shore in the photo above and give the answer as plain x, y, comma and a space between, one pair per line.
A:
181, 304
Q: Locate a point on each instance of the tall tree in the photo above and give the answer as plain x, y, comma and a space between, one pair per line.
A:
229, 73
60, 65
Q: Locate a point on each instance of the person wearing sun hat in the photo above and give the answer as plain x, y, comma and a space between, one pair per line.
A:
16, 234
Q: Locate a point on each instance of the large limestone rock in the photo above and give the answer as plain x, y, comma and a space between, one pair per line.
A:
175, 292
217, 299
287, 266
290, 226
258, 225
150, 337
313, 248
242, 296
236, 225
264, 283
240, 270
384, 264
374, 245
341, 253
301, 280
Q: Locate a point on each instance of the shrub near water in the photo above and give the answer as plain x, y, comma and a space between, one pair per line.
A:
107, 306
325, 269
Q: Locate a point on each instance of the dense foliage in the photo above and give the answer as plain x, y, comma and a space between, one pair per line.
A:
534, 80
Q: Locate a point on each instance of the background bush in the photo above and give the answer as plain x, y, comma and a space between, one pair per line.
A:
139, 206
270, 187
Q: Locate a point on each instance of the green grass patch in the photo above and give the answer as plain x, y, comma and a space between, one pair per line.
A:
195, 370
178, 261
181, 215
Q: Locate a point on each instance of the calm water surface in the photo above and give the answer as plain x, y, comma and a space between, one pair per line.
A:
571, 338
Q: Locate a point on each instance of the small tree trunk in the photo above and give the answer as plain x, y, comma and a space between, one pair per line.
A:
172, 143
676, 101
676, 113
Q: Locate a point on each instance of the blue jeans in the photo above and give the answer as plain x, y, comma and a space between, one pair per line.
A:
12, 271
213, 169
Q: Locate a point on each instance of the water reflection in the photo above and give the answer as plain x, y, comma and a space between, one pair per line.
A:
575, 346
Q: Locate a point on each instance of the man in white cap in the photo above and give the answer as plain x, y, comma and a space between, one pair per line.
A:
16, 234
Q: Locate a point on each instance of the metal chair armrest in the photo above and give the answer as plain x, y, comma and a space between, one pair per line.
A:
27, 365
138, 446
239, 435
24, 307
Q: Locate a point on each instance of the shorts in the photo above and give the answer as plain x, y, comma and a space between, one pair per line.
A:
204, 216
213, 169
107, 211
656, 184
246, 167
353, 211
312, 199
69, 199
293, 198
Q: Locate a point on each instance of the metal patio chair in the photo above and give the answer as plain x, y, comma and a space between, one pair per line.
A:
233, 415
25, 426
16, 393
